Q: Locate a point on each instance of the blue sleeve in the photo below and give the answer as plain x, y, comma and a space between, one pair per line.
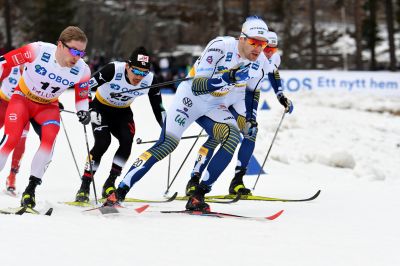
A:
275, 81
202, 85
251, 99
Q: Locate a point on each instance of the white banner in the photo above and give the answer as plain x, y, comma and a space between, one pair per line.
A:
308, 80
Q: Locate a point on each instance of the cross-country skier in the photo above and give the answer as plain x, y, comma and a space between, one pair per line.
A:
237, 108
226, 64
111, 114
7, 89
48, 71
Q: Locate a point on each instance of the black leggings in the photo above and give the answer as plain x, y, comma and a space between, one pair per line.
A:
117, 122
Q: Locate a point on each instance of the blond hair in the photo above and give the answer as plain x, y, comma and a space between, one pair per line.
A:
72, 33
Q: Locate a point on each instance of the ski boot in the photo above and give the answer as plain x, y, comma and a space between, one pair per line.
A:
10, 182
109, 185
83, 193
28, 197
115, 198
193, 182
237, 185
196, 201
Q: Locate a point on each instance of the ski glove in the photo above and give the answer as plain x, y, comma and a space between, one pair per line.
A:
84, 117
237, 73
250, 129
285, 102
95, 117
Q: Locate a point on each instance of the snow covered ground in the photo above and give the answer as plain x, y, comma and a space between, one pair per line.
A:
346, 144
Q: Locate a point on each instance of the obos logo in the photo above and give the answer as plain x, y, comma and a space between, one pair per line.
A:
114, 86
40, 70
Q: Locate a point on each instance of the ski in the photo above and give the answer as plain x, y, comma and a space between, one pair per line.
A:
235, 198
22, 210
263, 198
116, 209
172, 198
226, 215
78, 204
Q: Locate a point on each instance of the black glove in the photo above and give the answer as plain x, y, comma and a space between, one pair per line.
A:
60, 106
285, 102
84, 117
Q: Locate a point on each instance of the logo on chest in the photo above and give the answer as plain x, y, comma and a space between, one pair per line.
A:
56, 78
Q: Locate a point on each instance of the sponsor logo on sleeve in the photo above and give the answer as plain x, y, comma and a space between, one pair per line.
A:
74, 70
255, 65
83, 85
45, 57
118, 76
92, 82
215, 50
229, 57
209, 59
187, 102
18, 59
83, 93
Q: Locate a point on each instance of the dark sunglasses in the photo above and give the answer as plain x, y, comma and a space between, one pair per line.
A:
139, 72
255, 42
73, 51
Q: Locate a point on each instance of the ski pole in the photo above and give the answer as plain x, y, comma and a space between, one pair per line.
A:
90, 163
140, 141
69, 112
70, 147
187, 155
154, 86
169, 169
270, 147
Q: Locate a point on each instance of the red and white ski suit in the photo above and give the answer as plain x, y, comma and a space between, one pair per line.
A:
36, 98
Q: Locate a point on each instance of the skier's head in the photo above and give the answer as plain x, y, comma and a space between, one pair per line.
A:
272, 46
71, 46
138, 65
253, 38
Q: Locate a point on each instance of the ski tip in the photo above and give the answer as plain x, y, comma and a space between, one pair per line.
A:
142, 209
21, 211
274, 216
49, 212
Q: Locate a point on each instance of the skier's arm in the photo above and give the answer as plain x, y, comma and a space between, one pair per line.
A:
252, 97
203, 81
275, 81
82, 91
156, 104
24, 54
104, 75
206, 85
